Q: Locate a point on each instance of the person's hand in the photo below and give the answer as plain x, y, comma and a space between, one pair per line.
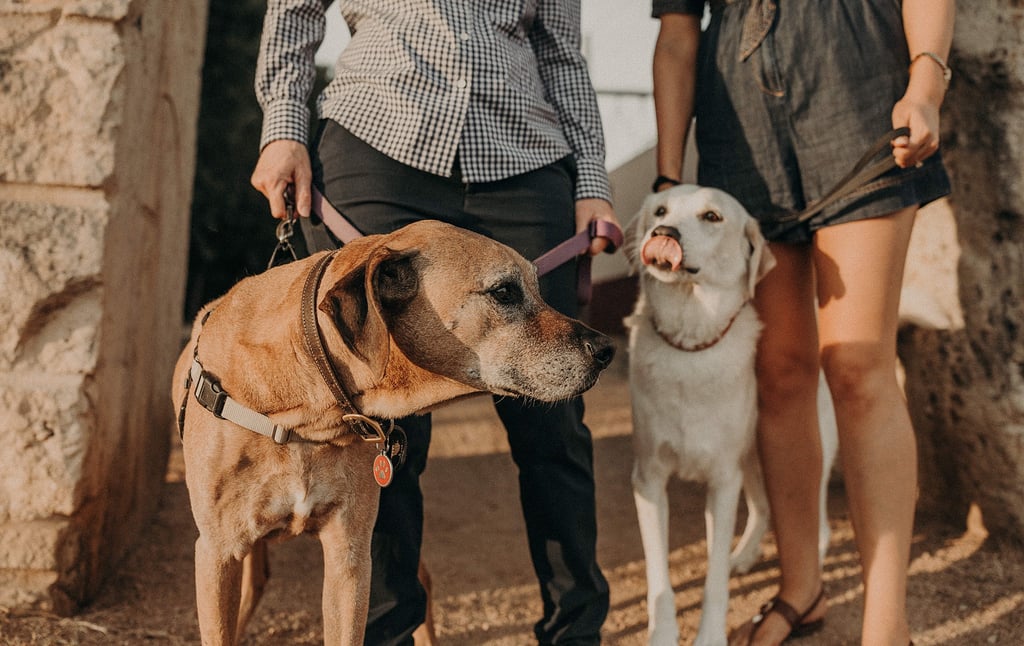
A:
923, 120
919, 110
281, 163
594, 208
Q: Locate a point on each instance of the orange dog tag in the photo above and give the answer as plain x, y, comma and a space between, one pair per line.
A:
382, 470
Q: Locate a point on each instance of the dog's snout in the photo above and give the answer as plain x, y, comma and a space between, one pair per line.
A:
601, 348
669, 232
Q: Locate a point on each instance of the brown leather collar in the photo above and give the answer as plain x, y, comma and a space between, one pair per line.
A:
704, 345
367, 429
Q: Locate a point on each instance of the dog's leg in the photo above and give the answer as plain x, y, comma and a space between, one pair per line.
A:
829, 448
720, 516
748, 549
651, 499
218, 589
425, 635
346, 596
255, 574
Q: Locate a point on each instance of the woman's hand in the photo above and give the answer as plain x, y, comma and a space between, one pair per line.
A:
922, 117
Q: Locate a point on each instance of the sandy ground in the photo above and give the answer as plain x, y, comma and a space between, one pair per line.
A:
965, 588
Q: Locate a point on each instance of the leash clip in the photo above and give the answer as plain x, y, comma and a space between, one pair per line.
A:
285, 228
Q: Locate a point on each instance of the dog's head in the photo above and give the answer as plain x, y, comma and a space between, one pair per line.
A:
460, 306
700, 235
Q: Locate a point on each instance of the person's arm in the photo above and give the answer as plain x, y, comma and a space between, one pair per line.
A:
563, 70
928, 25
285, 73
675, 80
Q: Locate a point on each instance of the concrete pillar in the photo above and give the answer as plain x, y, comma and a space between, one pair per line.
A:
98, 104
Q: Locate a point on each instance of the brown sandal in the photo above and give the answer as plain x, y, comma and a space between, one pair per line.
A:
797, 627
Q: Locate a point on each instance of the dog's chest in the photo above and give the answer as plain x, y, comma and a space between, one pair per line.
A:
694, 412
304, 492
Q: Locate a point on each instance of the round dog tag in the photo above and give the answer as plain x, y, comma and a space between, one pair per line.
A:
382, 470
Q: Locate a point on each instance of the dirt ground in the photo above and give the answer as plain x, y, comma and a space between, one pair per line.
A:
964, 588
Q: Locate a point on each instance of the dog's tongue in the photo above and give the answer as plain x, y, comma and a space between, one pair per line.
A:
663, 252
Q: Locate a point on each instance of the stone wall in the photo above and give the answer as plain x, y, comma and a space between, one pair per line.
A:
965, 384
98, 103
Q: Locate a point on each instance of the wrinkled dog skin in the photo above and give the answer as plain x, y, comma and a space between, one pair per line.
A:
692, 344
409, 320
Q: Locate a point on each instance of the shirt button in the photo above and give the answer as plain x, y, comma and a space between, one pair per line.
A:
464, 36
461, 84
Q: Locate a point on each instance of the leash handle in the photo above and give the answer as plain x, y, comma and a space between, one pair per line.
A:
578, 244
863, 171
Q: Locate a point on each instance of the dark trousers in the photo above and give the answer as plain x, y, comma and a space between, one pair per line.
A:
550, 445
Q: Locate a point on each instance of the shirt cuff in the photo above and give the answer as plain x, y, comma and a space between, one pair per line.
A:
285, 120
592, 180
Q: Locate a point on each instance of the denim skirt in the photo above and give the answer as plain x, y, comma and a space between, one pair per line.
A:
779, 128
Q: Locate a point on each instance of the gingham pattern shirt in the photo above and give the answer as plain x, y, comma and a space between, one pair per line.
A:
503, 84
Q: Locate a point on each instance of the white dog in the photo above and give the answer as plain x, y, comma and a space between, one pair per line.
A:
693, 337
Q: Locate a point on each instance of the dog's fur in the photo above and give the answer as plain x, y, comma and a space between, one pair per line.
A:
410, 320
699, 255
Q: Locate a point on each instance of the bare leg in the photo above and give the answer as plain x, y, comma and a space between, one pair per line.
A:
860, 270
787, 434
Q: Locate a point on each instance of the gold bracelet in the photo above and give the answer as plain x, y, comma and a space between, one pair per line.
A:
947, 73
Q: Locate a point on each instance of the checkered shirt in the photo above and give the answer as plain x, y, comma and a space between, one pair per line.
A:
503, 84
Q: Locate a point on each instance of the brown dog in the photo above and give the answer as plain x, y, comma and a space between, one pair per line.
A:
410, 320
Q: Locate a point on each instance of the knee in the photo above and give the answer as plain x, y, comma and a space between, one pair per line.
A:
857, 376
786, 375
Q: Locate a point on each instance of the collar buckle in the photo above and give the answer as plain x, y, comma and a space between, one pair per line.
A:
209, 394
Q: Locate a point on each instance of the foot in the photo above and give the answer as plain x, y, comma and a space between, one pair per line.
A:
778, 622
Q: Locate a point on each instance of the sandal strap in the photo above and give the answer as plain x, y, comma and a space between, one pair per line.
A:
792, 616
783, 609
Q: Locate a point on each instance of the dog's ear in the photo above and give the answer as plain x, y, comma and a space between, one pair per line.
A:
355, 303
761, 259
394, 281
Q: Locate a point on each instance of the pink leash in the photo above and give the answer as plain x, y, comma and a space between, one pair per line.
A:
564, 252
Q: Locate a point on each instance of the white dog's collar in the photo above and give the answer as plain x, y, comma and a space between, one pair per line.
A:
703, 345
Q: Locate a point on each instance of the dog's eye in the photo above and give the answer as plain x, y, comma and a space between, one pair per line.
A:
506, 293
711, 216
660, 211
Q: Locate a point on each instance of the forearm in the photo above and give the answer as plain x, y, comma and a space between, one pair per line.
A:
285, 69
674, 75
555, 39
928, 25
